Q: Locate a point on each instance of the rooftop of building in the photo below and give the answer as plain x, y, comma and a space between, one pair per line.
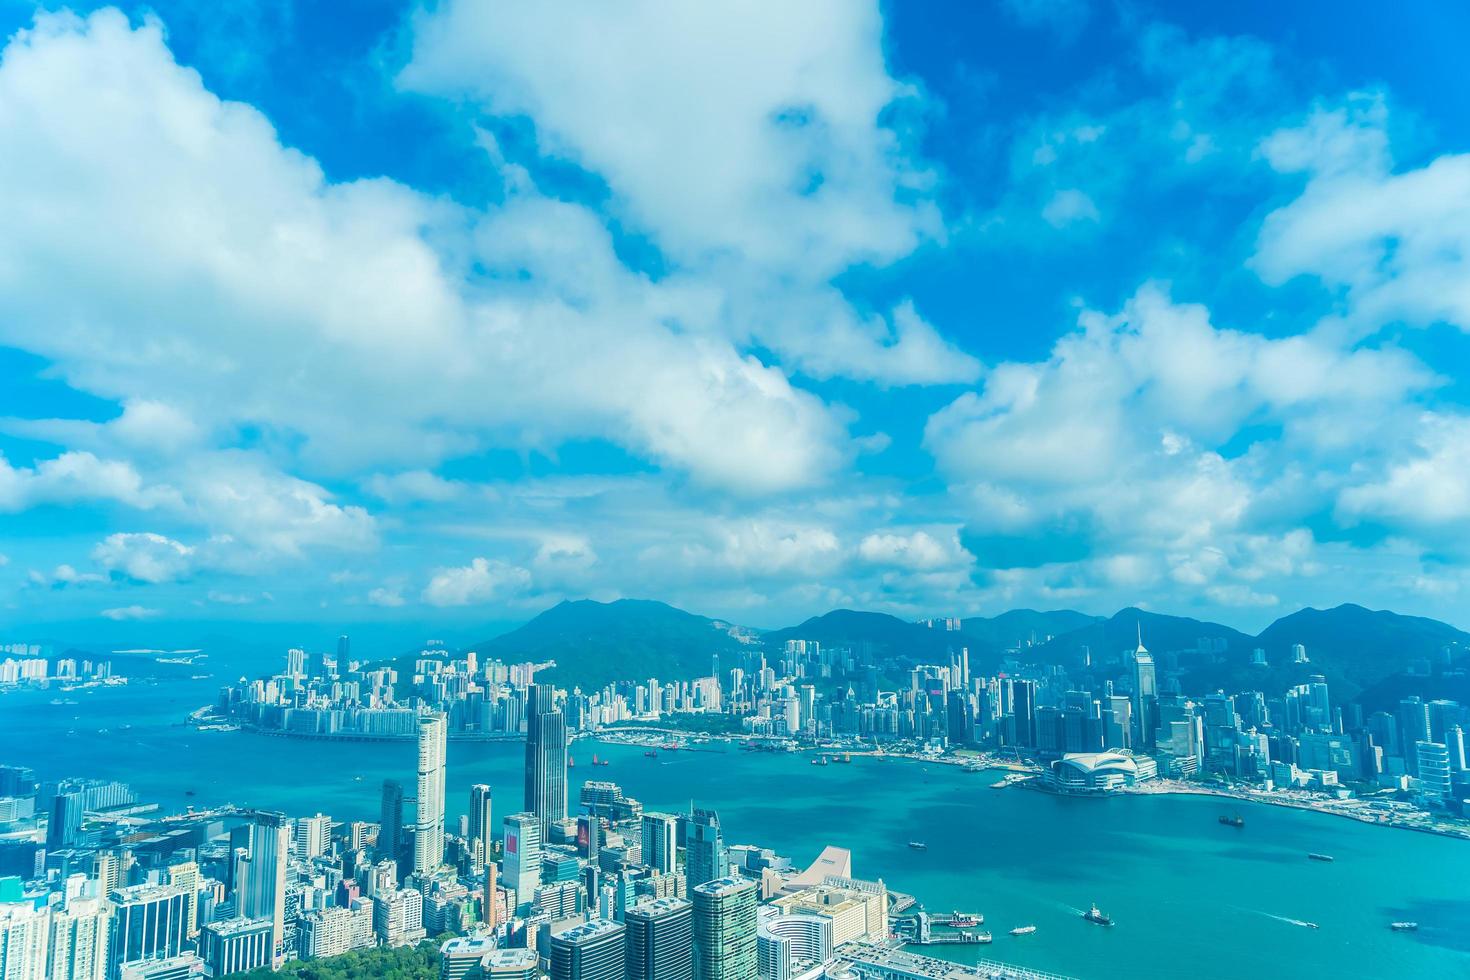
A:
658, 906
468, 946
728, 885
1097, 761
238, 927
589, 930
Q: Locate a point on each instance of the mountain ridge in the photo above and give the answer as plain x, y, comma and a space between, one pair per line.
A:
1357, 648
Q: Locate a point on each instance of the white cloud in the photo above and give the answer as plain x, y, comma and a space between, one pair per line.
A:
480, 581
145, 557
750, 129
126, 613
1069, 206
386, 597
376, 325
749, 141
75, 477
1428, 487
918, 551
1396, 245
413, 486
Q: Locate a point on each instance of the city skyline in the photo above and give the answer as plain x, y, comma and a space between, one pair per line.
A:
1052, 304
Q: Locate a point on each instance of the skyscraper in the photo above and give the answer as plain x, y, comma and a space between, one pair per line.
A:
660, 841
481, 825
148, 923
65, 826
660, 940
589, 952
705, 858
390, 820
546, 757
522, 865
724, 929
1145, 694
428, 841
264, 894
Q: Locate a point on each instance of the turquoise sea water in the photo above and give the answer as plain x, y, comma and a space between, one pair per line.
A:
1190, 897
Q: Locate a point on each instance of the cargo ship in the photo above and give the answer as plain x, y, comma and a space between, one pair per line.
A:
1233, 821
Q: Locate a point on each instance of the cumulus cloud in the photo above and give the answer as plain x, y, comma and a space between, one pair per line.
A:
145, 557
76, 477
1154, 447
918, 550
482, 580
1396, 245
225, 269
388, 598
751, 142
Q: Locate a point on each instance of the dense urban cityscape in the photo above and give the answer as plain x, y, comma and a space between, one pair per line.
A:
734, 490
581, 882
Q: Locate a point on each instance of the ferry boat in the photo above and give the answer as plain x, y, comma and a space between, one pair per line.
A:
1233, 821
1023, 930
918, 845
1095, 914
1404, 926
1320, 857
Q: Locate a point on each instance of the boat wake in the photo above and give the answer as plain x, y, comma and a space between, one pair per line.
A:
1302, 923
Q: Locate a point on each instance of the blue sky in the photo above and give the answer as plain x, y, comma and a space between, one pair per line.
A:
428, 317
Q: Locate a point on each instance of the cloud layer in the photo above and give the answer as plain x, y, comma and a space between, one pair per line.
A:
681, 338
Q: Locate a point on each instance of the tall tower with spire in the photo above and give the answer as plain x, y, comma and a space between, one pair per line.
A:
1145, 695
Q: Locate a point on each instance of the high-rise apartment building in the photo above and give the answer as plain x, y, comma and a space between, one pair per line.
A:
79, 936
660, 841
428, 841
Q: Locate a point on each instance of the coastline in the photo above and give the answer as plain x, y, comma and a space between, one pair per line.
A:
677, 739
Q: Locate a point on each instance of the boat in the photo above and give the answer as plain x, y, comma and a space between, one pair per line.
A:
918, 845
1309, 925
188, 792
1233, 821
1404, 926
650, 754
1320, 857
1023, 930
820, 762
845, 759
1095, 914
